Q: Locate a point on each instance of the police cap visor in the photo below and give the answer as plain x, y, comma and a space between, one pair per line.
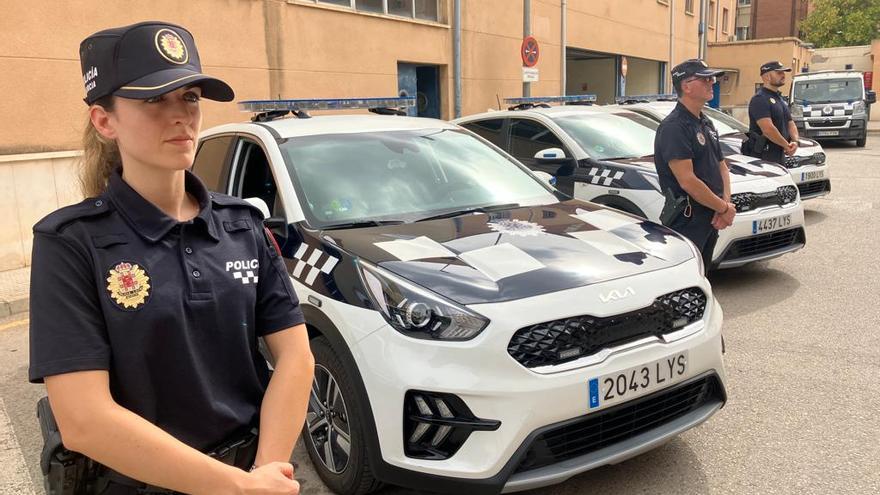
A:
773, 66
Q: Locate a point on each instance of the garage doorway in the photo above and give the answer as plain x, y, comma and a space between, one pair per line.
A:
423, 82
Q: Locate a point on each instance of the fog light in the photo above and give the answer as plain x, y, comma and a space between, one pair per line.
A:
436, 425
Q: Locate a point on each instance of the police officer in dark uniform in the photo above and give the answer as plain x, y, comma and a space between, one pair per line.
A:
772, 132
148, 298
693, 173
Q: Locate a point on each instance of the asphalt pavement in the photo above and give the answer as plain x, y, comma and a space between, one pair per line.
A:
803, 414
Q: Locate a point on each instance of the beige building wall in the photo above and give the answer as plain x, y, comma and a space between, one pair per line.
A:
295, 49
838, 58
745, 59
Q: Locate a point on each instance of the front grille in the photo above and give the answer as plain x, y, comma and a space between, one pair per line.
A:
559, 341
764, 243
799, 161
749, 201
828, 123
815, 187
598, 430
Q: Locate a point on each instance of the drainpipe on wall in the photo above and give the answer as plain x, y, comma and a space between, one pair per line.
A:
527, 30
671, 43
562, 41
701, 50
456, 57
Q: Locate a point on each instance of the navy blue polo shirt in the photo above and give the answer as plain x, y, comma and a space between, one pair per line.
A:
684, 136
767, 103
172, 310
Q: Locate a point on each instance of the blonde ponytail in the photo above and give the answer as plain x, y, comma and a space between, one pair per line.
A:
100, 157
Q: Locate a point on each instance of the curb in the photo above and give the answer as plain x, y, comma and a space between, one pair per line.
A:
14, 307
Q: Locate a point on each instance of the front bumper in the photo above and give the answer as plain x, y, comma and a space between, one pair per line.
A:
740, 244
527, 402
848, 128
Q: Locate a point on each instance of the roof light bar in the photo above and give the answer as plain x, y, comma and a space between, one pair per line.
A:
550, 99
646, 98
260, 106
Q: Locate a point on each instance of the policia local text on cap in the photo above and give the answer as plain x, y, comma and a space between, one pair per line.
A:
144, 336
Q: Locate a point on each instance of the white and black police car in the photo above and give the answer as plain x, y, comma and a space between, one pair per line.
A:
474, 331
604, 154
808, 167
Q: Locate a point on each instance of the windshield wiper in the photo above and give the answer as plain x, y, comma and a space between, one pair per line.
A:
362, 223
464, 211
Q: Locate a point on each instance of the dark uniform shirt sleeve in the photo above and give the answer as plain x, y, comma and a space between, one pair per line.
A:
675, 143
277, 304
67, 329
759, 108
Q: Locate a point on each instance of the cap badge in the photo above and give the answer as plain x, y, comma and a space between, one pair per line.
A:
772, 101
701, 139
171, 46
129, 285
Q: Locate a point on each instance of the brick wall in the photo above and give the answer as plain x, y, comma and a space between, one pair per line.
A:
777, 18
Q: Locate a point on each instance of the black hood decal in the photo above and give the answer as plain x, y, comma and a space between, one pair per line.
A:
515, 253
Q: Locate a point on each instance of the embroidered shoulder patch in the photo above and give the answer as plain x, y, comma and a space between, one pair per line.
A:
128, 285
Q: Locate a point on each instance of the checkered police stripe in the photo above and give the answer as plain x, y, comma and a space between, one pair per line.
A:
606, 177
831, 110
308, 256
247, 277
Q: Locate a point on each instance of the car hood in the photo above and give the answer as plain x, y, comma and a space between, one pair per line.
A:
517, 253
742, 168
806, 146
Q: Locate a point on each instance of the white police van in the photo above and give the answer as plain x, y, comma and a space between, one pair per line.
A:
831, 105
474, 330
604, 154
808, 166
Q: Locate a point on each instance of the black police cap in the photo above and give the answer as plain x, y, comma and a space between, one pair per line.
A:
691, 68
145, 60
774, 65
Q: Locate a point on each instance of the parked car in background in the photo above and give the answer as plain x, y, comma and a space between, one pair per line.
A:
808, 166
604, 154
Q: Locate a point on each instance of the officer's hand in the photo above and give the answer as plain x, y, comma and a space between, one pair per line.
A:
275, 478
791, 148
727, 216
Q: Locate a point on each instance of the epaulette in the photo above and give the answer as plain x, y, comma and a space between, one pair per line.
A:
226, 201
55, 221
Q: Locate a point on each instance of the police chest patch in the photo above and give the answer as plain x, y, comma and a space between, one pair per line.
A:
244, 271
701, 139
772, 101
128, 285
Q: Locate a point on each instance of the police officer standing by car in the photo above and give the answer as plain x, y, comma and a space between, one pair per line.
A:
693, 173
148, 298
772, 132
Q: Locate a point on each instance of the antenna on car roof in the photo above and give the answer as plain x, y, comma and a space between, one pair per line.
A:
267, 110
630, 99
528, 102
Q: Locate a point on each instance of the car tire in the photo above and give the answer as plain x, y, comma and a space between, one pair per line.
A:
345, 471
861, 141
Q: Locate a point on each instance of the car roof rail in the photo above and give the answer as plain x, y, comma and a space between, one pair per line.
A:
632, 99
527, 102
268, 110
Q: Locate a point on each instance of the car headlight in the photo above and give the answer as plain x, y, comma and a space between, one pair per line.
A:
797, 111
858, 107
652, 179
417, 312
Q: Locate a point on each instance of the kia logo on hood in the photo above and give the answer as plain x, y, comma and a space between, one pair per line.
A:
616, 295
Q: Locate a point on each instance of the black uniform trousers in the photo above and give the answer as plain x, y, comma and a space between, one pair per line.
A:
698, 228
773, 153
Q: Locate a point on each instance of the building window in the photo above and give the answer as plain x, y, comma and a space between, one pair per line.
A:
744, 3
725, 16
742, 33
689, 7
711, 14
428, 10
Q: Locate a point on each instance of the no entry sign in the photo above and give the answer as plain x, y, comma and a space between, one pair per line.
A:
529, 51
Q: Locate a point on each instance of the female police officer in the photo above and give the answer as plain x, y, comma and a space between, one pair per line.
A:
148, 298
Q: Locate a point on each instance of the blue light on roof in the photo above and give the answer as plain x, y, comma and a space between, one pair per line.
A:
325, 104
550, 99
646, 98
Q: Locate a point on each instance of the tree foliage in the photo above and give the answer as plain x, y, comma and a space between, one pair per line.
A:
842, 23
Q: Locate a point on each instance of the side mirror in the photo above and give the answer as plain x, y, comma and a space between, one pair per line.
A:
550, 155
270, 221
544, 176
870, 97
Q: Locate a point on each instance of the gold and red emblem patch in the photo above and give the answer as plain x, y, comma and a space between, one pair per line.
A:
171, 46
129, 285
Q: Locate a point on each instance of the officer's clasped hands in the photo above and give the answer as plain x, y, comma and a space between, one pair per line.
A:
791, 148
722, 221
275, 478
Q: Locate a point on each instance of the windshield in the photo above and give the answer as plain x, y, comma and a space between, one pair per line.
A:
724, 124
606, 136
403, 175
827, 90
